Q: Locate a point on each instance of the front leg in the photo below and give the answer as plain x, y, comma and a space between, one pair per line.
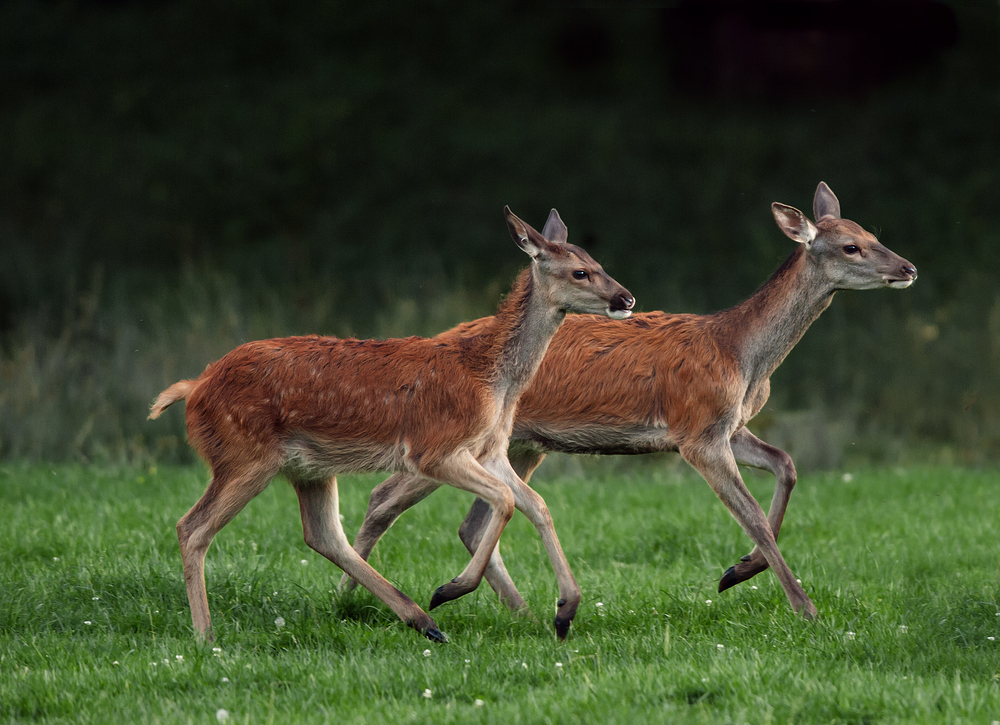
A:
534, 508
716, 463
750, 450
524, 462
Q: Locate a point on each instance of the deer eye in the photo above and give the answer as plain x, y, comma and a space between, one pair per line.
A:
851, 249
581, 274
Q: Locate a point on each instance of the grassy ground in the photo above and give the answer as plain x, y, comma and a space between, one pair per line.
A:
902, 565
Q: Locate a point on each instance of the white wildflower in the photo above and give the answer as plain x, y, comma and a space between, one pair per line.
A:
303, 562
480, 703
428, 694
427, 653
847, 478
850, 635
708, 602
179, 658
279, 622
222, 715
720, 647
559, 665
903, 629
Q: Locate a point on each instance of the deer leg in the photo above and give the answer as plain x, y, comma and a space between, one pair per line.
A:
387, 502
465, 472
524, 463
717, 464
750, 450
225, 497
534, 508
318, 502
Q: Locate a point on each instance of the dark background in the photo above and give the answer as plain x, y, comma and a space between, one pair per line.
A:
179, 177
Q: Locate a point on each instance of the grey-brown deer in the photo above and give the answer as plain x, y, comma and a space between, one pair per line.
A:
441, 409
678, 382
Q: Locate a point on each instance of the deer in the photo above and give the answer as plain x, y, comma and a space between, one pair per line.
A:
312, 407
677, 382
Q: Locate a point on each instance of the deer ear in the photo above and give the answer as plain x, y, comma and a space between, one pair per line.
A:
794, 223
825, 204
529, 240
554, 229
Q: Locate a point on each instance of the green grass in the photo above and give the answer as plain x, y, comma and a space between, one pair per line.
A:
94, 623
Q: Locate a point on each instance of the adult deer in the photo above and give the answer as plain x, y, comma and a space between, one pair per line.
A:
313, 407
687, 383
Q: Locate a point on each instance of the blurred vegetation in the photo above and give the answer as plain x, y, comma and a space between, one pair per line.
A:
180, 177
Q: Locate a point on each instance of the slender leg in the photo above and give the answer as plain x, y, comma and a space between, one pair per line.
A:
751, 451
225, 497
463, 471
524, 462
387, 502
319, 505
533, 506
716, 463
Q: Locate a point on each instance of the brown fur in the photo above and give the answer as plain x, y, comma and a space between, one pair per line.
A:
442, 409
677, 382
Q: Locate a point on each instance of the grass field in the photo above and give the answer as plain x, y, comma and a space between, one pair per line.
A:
902, 564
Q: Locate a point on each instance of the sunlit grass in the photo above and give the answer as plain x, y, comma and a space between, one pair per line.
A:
902, 565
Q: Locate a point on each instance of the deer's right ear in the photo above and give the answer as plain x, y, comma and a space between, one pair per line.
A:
794, 223
527, 239
554, 229
825, 203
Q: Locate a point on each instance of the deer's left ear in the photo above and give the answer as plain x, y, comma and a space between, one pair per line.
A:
794, 223
529, 240
825, 203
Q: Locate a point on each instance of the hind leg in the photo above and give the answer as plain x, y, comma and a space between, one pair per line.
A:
387, 502
225, 497
320, 507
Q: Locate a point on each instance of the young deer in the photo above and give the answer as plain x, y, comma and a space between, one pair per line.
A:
313, 407
687, 383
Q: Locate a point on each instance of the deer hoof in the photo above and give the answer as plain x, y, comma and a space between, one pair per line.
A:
445, 593
730, 578
745, 557
562, 627
436, 635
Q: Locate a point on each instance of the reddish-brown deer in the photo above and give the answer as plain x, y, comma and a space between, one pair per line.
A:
313, 407
687, 383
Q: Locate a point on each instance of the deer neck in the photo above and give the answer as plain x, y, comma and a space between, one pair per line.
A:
767, 326
523, 328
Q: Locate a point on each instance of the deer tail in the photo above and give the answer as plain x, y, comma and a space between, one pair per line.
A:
178, 391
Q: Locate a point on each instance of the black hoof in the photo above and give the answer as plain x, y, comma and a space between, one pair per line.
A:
447, 592
436, 635
439, 597
562, 627
729, 579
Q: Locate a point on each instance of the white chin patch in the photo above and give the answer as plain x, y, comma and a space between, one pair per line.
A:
901, 283
619, 314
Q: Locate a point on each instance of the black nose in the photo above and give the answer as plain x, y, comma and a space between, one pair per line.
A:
910, 271
623, 301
